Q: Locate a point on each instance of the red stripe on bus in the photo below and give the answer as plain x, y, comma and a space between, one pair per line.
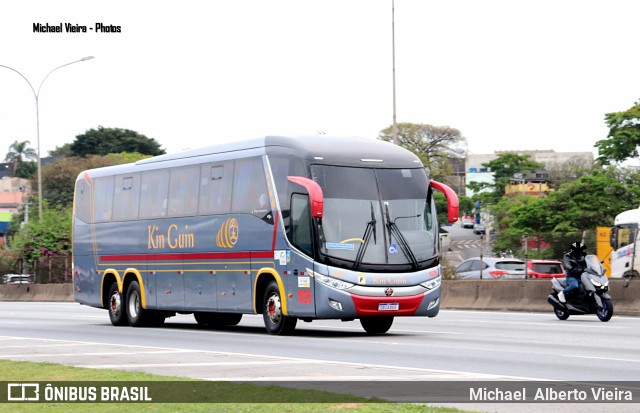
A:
188, 256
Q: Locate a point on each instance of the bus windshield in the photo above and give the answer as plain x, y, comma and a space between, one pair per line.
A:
376, 217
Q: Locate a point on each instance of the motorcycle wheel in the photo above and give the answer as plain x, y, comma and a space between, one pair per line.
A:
606, 312
561, 314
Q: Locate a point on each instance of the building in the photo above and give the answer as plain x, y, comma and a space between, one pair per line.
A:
12, 194
536, 184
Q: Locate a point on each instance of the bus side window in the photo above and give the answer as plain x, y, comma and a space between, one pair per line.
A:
103, 204
215, 188
300, 229
183, 191
81, 204
126, 197
153, 193
248, 184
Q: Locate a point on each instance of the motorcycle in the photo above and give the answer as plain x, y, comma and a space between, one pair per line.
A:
591, 298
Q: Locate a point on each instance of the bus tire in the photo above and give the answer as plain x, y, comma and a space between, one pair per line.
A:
115, 305
376, 325
137, 316
274, 320
217, 319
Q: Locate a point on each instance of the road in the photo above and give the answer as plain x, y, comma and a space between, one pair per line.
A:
465, 244
456, 345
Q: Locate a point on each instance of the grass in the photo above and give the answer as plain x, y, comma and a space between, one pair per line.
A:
315, 401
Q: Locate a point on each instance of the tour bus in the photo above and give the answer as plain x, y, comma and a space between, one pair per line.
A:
623, 240
293, 228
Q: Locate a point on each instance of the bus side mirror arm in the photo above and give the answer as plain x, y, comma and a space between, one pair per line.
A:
453, 206
316, 197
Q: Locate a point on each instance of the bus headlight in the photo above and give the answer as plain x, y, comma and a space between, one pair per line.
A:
432, 283
332, 282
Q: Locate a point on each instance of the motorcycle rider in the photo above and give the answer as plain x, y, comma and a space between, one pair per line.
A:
574, 265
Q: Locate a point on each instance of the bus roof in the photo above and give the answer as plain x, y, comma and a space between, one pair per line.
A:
321, 149
354, 151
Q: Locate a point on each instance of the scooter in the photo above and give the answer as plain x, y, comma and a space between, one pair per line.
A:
591, 298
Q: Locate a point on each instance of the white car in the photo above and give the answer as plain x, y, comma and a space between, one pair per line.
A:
18, 279
491, 268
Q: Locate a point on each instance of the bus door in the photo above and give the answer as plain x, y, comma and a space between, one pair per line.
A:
298, 280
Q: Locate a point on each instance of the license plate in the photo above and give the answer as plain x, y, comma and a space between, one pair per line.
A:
388, 307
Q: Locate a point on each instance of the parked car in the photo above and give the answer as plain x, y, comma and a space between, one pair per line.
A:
545, 269
492, 268
468, 222
18, 279
479, 229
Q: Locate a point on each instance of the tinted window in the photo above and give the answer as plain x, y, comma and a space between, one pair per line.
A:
153, 194
250, 194
465, 266
510, 265
81, 202
103, 203
126, 197
547, 268
476, 265
183, 191
215, 188
300, 232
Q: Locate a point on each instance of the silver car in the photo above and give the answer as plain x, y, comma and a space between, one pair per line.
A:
490, 268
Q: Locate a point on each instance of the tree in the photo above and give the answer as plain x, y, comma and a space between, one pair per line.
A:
504, 168
63, 151
624, 136
18, 153
50, 235
103, 141
434, 145
59, 178
568, 171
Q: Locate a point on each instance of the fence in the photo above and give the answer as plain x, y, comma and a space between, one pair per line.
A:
50, 270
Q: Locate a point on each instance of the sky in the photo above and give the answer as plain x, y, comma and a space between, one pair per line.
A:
510, 75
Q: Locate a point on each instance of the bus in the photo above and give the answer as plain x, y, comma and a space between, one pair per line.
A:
623, 240
293, 228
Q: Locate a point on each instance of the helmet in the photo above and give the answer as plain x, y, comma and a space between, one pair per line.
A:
578, 249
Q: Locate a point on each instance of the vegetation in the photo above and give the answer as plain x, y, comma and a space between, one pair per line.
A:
59, 178
103, 141
624, 136
504, 167
18, 156
434, 145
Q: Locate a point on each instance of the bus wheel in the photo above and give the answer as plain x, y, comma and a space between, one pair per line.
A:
115, 305
276, 322
376, 325
217, 319
136, 315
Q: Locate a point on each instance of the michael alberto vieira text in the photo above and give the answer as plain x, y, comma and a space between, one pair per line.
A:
75, 28
550, 394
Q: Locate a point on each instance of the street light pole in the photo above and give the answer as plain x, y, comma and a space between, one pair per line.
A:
394, 126
36, 95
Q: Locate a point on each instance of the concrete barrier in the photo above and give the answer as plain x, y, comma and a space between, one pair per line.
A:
496, 295
36, 292
526, 295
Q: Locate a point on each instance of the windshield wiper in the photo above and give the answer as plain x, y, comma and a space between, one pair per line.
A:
371, 229
395, 231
